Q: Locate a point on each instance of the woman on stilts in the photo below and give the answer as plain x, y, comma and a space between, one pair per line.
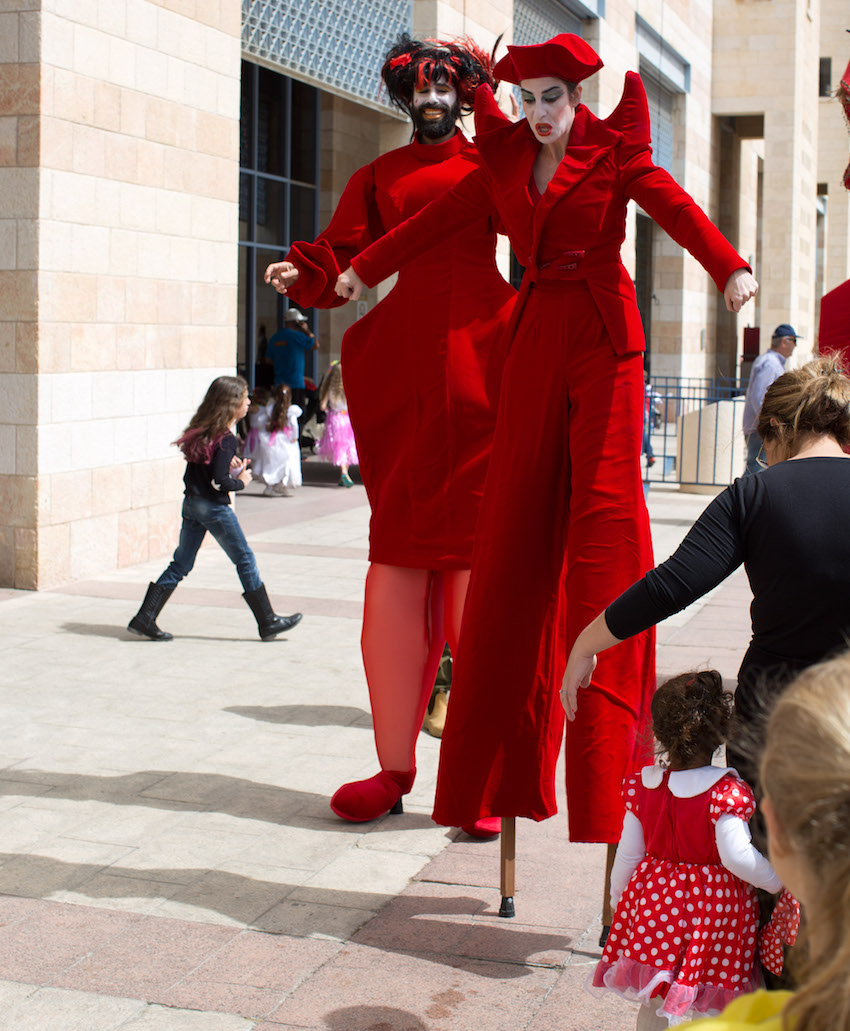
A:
563, 525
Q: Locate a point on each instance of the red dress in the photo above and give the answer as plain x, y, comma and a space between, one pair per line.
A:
685, 928
563, 528
416, 365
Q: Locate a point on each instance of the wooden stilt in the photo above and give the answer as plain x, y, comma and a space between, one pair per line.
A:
508, 866
607, 912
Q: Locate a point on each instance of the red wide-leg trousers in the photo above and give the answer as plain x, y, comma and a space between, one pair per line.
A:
563, 530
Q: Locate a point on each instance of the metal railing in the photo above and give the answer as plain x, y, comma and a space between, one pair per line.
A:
693, 427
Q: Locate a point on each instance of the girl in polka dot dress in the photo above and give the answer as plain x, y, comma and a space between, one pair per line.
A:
683, 939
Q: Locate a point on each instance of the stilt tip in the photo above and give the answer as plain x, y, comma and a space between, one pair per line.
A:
507, 907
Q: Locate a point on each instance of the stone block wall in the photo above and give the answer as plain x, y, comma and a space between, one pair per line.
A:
125, 272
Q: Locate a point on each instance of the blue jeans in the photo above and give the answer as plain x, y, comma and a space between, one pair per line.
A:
200, 515
754, 444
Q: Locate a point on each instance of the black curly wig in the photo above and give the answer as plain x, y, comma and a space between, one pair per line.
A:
691, 717
411, 63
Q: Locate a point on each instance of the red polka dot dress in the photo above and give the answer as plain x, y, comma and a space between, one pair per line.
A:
685, 928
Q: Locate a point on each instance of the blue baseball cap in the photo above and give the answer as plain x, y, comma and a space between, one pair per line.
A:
786, 331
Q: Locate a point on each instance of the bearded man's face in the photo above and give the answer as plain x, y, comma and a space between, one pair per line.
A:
435, 109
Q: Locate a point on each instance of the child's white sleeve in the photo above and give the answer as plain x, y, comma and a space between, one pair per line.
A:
630, 851
740, 856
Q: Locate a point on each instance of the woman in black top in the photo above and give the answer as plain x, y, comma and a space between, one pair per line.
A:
212, 472
790, 527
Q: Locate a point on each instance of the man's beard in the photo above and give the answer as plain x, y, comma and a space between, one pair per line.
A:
439, 127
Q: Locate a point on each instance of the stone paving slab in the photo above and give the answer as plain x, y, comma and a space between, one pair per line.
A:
168, 857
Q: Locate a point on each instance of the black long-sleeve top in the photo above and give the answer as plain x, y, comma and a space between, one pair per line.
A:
790, 527
212, 480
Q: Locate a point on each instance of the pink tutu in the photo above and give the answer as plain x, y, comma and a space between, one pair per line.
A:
337, 444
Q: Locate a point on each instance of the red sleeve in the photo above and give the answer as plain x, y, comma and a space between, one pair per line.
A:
734, 796
469, 200
678, 214
354, 225
631, 793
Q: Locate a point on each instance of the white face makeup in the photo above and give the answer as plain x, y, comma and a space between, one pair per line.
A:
435, 108
547, 105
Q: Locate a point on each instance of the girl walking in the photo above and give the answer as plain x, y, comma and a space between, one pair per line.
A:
337, 444
683, 938
212, 472
278, 453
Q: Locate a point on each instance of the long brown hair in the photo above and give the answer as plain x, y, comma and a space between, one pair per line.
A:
213, 419
814, 399
281, 399
331, 388
805, 772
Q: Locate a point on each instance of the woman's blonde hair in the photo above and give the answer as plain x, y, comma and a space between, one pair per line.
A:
812, 399
331, 388
805, 771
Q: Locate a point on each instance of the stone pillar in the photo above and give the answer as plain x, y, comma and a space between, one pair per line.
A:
768, 67
125, 271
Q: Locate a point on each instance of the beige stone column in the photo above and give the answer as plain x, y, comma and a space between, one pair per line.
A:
834, 145
128, 255
767, 66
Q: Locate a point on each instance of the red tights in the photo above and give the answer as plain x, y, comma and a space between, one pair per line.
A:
408, 616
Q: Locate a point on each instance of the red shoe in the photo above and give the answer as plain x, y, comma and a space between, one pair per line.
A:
363, 800
486, 827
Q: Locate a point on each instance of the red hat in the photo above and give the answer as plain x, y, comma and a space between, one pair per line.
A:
565, 56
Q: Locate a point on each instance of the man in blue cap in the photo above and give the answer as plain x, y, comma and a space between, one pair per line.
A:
766, 368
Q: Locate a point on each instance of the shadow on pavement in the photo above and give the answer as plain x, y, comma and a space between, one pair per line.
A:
197, 792
267, 906
372, 1018
99, 630
304, 715
121, 633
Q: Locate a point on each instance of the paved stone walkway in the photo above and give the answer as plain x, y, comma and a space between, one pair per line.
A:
168, 861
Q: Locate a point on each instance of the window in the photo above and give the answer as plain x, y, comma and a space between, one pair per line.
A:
278, 195
825, 77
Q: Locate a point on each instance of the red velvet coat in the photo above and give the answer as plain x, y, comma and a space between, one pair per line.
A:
576, 230
415, 365
564, 493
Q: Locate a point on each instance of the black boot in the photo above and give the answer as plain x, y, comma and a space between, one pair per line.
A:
144, 621
268, 623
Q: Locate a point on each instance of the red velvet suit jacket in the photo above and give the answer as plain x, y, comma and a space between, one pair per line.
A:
575, 231
415, 365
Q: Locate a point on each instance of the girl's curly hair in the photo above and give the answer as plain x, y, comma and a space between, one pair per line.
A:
411, 64
691, 716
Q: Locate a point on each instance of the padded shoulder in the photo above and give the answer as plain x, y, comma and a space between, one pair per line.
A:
631, 115
488, 114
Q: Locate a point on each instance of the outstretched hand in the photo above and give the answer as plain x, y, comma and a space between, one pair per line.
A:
281, 275
580, 667
349, 285
740, 287
595, 638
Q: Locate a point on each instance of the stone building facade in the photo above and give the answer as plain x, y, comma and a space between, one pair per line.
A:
155, 154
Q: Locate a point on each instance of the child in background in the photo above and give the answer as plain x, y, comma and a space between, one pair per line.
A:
278, 453
249, 427
212, 472
337, 444
683, 939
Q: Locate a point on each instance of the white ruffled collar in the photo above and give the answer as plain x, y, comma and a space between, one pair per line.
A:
687, 783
